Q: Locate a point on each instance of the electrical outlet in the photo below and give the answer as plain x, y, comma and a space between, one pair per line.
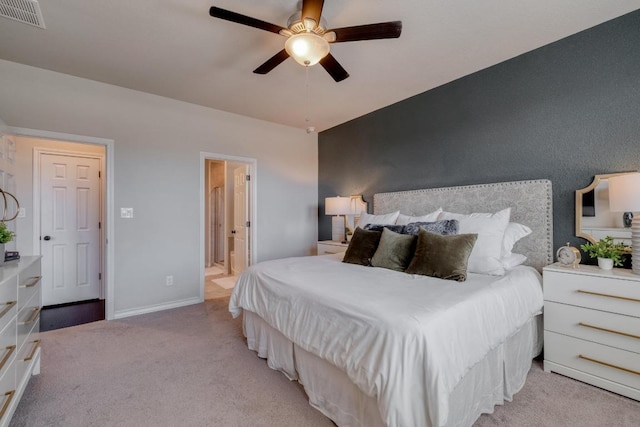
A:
126, 212
169, 280
22, 213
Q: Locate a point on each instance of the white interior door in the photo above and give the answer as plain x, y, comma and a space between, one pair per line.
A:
69, 227
240, 219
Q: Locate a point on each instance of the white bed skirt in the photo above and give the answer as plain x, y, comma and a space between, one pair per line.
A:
490, 382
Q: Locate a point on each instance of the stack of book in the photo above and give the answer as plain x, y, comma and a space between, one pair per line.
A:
11, 255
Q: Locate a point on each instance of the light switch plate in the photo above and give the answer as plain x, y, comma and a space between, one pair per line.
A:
126, 212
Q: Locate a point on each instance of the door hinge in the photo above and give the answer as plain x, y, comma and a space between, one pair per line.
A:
248, 224
248, 177
99, 276
99, 225
99, 174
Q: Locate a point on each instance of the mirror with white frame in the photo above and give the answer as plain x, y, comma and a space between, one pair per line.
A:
594, 220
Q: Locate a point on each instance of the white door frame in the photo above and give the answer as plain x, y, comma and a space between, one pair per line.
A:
108, 215
253, 206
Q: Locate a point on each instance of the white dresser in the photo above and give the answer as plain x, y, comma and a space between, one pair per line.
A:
592, 326
20, 304
331, 247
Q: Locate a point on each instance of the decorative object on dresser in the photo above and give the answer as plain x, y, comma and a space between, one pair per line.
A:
624, 196
6, 236
568, 256
606, 251
592, 326
20, 299
326, 247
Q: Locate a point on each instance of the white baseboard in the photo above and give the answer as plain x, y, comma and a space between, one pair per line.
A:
153, 308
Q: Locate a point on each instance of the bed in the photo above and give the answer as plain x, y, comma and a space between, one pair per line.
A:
377, 347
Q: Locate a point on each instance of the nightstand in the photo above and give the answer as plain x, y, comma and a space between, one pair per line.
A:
331, 247
592, 326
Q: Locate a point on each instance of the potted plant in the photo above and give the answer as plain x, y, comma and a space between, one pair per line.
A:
607, 251
6, 236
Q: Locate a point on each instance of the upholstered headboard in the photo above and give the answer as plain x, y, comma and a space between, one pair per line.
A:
530, 202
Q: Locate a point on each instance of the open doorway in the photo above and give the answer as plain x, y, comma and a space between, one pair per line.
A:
66, 223
227, 224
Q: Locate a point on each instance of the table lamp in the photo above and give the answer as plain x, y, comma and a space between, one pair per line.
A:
338, 206
624, 196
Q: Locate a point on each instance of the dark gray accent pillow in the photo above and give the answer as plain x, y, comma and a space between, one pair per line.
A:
362, 246
445, 227
440, 256
394, 250
380, 227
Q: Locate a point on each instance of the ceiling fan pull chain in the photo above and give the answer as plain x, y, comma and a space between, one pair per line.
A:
310, 129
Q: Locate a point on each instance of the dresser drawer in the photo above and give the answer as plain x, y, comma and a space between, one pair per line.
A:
326, 248
598, 292
28, 322
26, 357
602, 327
7, 394
29, 285
619, 366
8, 300
7, 347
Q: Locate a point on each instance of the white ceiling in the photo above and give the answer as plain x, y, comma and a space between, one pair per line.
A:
175, 49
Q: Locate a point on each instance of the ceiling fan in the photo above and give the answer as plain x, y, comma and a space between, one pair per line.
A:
308, 37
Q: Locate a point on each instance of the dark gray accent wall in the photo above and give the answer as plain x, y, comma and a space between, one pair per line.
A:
564, 112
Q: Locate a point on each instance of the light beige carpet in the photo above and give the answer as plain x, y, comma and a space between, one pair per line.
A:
190, 367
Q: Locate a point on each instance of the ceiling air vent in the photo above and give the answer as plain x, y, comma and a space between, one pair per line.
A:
26, 11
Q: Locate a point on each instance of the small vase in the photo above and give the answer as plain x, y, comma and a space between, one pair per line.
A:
1, 254
605, 263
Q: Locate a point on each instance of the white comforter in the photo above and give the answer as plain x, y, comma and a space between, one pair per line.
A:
405, 339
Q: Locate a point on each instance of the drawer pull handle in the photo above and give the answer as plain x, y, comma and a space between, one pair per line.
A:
33, 281
608, 296
7, 307
613, 331
8, 397
36, 344
33, 317
600, 362
6, 356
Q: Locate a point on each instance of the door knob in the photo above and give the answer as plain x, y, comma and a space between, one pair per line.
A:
47, 237
233, 231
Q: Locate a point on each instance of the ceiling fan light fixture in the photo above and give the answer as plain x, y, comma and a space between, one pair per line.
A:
307, 49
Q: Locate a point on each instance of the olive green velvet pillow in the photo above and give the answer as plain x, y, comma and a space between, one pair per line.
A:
362, 247
394, 251
440, 256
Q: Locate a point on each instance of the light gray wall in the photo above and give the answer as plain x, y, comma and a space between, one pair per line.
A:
564, 112
158, 142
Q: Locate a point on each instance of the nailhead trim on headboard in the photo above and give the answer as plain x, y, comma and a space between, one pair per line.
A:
531, 204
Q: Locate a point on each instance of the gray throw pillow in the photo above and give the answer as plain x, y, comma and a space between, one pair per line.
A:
394, 250
379, 227
362, 247
440, 256
446, 227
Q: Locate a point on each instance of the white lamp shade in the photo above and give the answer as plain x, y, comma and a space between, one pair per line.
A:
624, 193
306, 48
337, 206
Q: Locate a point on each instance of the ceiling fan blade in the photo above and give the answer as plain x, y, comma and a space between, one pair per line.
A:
228, 15
312, 9
383, 30
272, 62
334, 68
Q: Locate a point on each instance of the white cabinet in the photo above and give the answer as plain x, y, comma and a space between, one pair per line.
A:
592, 326
331, 247
20, 304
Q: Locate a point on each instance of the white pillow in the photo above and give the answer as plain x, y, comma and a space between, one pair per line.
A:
490, 228
512, 261
406, 219
512, 234
386, 219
